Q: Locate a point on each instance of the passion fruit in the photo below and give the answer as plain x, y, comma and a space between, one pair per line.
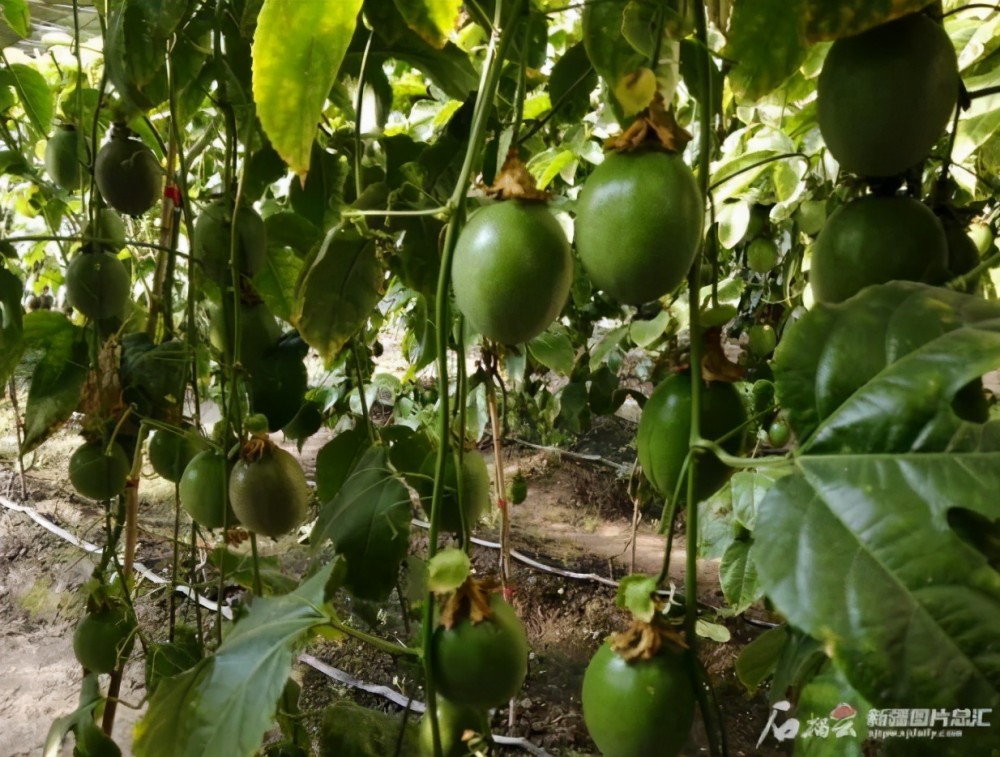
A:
963, 254
269, 492
454, 721
663, 437
171, 450
885, 95
640, 708
212, 241
98, 284
638, 225
874, 240
66, 157
512, 270
482, 664
203, 490
108, 229
259, 331
128, 175
99, 473
104, 639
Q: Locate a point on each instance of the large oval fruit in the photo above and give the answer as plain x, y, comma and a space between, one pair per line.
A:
107, 229
66, 157
97, 284
512, 270
874, 240
638, 225
269, 495
885, 96
482, 664
638, 709
454, 720
128, 175
278, 384
97, 474
203, 490
259, 331
665, 428
963, 255
212, 240
104, 638
170, 451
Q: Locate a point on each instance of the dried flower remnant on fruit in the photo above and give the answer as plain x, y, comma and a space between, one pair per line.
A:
470, 600
515, 182
654, 128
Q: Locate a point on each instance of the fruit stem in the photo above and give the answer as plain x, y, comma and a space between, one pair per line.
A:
358, 104
175, 565
367, 419
489, 80
132, 502
258, 587
501, 487
381, 644
757, 164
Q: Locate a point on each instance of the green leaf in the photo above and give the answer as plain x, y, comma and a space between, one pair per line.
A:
338, 291
635, 594
226, 703
554, 350
828, 728
11, 324
826, 20
714, 631
758, 659
572, 81
337, 459
297, 52
762, 67
644, 333
617, 62
320, 199
239, 569
58, 377
369, 524
17, 16
738, 577
288, 229
275, 281
90, 699
431, 19
748, 490
982, 120
35, 96
859, 546
447, 570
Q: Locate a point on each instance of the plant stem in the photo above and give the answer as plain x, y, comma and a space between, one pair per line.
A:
18, 431
132, 503
358, 105
258, 587
176, 562
499, 42
381, 644
360, 353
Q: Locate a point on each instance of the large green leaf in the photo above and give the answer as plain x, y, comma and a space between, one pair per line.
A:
878, 373
859, 546
58, 377
11, 324
35, 96
227, 702
826, 20
431, 19
369, 524
17, 16
763, 67
275, 281
338, 291
613, 57
337, 458
297, 52
738, 576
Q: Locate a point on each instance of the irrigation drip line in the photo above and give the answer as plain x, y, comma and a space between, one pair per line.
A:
306, 659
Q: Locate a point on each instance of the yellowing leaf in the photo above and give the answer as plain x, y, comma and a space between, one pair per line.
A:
297, 51
431, 19
635, 90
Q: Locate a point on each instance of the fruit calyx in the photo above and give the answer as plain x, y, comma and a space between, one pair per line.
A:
470, 600
655, 128
515, 182
257, 447
643, 641
715, 364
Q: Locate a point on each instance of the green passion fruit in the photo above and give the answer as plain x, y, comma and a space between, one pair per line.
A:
212, 241
103, 639
963, 255
638, 225
641, 708
98, 473
98, 284
108, 228
171, 450
66, 157
259, 331
203, 490
482, 664
762, 255
885, 95
512, 270
454, 720
269, 492
128, 175
664, 433
874, 240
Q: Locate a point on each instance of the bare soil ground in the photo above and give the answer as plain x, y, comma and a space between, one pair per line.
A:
577, 517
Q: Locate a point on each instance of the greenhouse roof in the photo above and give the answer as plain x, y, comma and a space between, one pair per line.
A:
48, 16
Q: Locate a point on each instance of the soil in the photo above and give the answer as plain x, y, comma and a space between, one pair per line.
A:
577, 517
